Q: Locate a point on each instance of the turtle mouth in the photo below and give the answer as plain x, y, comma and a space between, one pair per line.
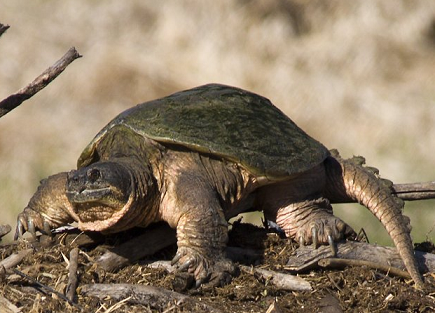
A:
89, 195
92, 205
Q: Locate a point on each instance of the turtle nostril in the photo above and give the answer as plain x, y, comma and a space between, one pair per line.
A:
72, 178
93, 175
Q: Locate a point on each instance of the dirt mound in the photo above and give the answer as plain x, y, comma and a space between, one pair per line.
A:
353, 289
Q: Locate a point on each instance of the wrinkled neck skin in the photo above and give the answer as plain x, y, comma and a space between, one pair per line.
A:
141, 208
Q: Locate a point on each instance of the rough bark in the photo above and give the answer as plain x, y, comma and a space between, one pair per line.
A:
307, 258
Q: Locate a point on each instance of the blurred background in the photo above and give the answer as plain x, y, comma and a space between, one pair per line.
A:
357, 75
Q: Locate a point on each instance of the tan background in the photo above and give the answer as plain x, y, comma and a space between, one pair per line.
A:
357, 75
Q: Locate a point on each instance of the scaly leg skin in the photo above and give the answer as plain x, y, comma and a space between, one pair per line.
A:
312, 221
47, 209
202, 234
201, 241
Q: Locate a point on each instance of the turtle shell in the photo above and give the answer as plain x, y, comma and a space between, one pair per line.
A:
224, 122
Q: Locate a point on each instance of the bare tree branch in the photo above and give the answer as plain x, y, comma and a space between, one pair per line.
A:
415, 191
306, 258
39, 83
3, 28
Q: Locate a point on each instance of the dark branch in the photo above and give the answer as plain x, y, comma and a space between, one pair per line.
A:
39, 83
3, 28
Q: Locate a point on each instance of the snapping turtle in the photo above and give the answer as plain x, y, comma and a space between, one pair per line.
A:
199, 157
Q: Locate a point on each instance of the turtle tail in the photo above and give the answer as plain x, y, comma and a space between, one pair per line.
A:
348, 180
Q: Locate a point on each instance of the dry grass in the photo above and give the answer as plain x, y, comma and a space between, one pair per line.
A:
357, 75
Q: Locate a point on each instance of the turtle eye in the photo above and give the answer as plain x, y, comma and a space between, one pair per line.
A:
93, 175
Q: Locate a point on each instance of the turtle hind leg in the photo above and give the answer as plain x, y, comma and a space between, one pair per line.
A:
312, 222
299, 208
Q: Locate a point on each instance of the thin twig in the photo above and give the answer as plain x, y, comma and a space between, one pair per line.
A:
72, 275
39, 83
341, 263
46, 288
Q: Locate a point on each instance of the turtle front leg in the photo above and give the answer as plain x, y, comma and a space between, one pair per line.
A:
312, 221
202, 232
201, 249
47, 209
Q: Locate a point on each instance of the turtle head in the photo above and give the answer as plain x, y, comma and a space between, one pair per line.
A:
98, 194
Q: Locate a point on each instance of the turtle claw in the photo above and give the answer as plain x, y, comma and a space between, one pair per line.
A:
332, 245
204, 270
31, 221
315, 237
176, 258
325, 229
191, 261
185, 266
19, 230
31, 228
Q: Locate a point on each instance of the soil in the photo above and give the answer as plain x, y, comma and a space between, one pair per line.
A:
354, 289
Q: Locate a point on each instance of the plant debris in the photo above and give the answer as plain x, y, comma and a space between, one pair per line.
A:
352, 289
